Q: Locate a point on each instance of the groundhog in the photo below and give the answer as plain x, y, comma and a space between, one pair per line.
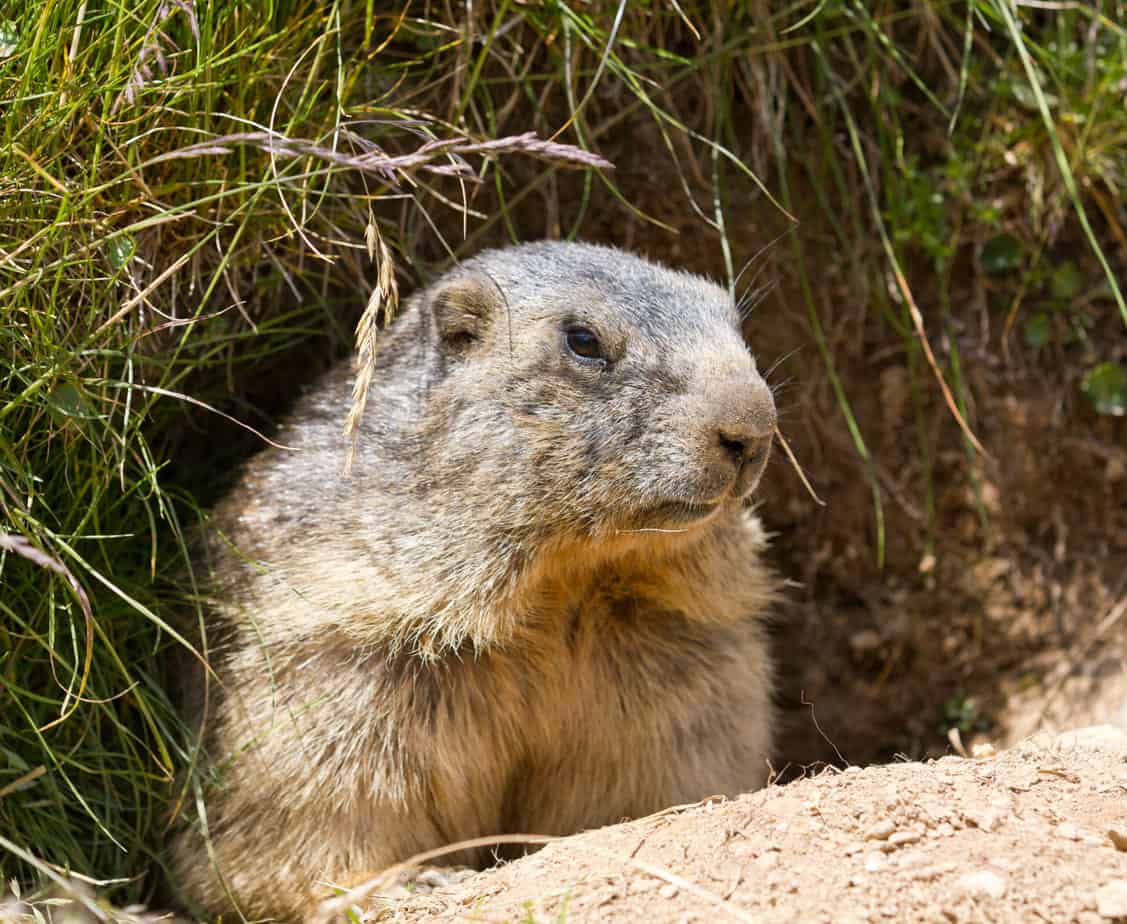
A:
536, 605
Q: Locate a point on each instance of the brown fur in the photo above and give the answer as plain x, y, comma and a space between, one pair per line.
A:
507, 620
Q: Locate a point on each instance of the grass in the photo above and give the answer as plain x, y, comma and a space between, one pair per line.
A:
192, 196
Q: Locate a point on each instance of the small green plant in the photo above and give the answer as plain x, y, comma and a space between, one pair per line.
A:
962, 712
1106, 387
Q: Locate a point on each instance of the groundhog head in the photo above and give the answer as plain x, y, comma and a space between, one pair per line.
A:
585, 391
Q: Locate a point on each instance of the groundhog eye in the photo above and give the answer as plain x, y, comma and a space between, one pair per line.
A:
584, 343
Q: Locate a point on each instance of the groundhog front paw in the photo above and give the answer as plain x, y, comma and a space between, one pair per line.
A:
429, 878
373, 896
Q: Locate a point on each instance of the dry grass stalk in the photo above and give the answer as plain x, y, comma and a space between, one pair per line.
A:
383, 302
334, 908
450, 152
798, 468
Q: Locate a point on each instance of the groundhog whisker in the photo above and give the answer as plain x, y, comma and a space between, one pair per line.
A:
760, 252
779, 387
751, 291
778, 362
754, 299
759, 271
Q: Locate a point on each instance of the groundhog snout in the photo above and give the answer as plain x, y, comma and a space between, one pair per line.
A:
740, 431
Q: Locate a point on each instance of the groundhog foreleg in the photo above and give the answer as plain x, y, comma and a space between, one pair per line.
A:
712, 717
330, 769
726, 746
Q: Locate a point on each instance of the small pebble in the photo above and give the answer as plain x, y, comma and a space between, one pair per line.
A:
668, 891
986, 819
903, 837
908, 859
865, 641
881, 830
982, 884
874, 863
1111, 899
767, 860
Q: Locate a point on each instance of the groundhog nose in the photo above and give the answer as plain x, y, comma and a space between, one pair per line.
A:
745, 427
744, 447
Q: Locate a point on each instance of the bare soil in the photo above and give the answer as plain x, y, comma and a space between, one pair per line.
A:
1036, 833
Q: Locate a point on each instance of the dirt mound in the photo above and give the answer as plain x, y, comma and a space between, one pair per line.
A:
1036, 833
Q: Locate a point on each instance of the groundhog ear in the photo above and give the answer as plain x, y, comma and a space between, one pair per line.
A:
463, 310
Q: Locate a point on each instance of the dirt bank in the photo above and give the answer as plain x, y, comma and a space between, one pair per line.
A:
1037, 833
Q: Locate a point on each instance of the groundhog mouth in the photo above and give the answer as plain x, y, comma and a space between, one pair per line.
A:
675, 516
